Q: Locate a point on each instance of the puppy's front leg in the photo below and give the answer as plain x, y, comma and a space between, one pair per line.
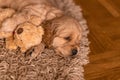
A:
37, 50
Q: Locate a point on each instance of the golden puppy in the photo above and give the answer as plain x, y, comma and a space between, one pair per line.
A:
63, 34
32, 11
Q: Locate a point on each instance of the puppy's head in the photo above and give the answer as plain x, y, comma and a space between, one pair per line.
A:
63, 35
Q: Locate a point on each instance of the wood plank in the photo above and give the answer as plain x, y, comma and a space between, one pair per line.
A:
105, 40
94, 9
112, 28
111, 74
99, 38
116, 3
109, 7
103, 65
103, 62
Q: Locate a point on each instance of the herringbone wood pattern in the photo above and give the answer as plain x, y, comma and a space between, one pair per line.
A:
103, 18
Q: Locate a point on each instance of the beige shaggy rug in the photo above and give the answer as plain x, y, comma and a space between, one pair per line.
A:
48, 65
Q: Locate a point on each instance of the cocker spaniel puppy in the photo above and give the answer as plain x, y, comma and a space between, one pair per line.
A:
63, 34
33, 11
20, 11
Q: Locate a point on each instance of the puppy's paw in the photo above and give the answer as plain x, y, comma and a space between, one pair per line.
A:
37, 50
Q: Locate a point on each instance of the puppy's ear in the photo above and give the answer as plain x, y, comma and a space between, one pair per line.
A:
50, 30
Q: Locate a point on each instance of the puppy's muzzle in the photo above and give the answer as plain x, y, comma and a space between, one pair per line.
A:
74, 51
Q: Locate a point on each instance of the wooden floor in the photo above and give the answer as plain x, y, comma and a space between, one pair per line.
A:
103, 18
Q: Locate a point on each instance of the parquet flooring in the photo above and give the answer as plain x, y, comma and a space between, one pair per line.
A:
103, 17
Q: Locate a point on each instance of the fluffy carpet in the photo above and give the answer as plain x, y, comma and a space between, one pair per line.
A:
48, 65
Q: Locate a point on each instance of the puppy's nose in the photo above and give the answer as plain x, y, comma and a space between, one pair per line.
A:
74, 51
20, 30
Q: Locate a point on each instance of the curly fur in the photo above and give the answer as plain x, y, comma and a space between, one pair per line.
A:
48, 65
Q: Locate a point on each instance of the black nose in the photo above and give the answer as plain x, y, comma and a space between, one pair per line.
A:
74, 51
20, 30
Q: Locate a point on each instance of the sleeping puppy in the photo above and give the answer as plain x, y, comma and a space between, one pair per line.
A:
32, 11
63, 34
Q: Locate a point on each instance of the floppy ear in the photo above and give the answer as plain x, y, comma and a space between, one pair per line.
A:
50, 30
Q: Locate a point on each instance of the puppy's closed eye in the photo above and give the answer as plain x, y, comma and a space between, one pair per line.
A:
68, 38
